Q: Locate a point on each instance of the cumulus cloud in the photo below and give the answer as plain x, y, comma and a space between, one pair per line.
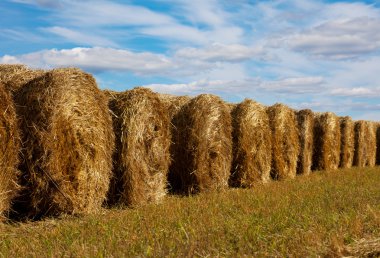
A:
221, 53
339, 39
98, 59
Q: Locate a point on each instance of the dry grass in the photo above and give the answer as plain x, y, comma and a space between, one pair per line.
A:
327, 141
15, 76
202, 146
142, 158
285, 141
305, 119
365, 144
9, 151
347, 142
68, 143
252, 146
292, 218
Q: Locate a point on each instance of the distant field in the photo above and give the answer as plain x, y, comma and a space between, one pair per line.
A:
315, 215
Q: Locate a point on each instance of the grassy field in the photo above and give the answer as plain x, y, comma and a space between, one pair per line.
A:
309, 216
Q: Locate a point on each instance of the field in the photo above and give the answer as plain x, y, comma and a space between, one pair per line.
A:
321, 214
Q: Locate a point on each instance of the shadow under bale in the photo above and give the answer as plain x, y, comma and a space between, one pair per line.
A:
285, 141
252, 145
202, 146
9, 152
142, 157
68, 144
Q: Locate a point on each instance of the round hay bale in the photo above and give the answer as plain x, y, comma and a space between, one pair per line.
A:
252, 146
9, 151
202, 146
142, 157
68, 144
305, 119
365, 144
326, 142
347, 142
15, 76
285, 141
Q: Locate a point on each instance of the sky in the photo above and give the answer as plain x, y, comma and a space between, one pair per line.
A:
322, 55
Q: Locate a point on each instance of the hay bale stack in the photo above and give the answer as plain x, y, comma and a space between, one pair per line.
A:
68, 144
15, 76
142, 157
9, 151
365, 144
285, 141
347, 142
305, 119
326, 142
202, 146
252, 146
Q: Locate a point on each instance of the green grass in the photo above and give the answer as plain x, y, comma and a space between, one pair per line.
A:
301, 217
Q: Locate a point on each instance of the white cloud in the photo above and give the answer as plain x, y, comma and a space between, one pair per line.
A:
42, 3
80, 37
339, 39
220, 53
103, 59
357, 92
300, 85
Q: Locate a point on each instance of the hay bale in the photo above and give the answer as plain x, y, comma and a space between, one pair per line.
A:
305, 119
68, 144
15, 76
142, 157
365, 144
252, 146
202, 146
285, 141
326, 142
9, 151
347, 142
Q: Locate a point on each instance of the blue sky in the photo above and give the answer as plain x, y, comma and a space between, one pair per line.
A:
323, 55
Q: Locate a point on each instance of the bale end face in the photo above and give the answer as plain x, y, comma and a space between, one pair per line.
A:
202, 148
68, 150
142, 158
252, 145
327, 141
285, 141
347, 142
9, 151
305, 119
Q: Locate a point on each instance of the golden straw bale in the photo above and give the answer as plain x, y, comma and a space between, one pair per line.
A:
347, 142
15, 76
285, 141
326, 142
142, 157
68, 144
365, 144
9, 151
252, 146
202, 148
305, 119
